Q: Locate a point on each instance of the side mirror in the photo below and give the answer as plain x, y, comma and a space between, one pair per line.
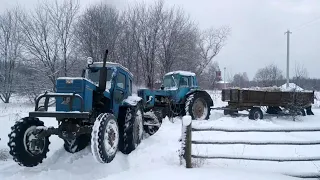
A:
162, 87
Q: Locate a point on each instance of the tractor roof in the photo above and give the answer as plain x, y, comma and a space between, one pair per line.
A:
183, 73
112, 64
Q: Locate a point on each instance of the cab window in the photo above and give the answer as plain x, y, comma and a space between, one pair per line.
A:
184, 81
121, 81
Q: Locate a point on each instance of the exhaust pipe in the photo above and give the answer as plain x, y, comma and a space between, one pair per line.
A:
103, 74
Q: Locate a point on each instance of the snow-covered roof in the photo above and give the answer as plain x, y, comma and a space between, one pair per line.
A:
222, 82
292, 87
110, 64
184, 73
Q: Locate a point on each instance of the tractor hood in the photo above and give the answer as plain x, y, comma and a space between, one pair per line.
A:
82, 86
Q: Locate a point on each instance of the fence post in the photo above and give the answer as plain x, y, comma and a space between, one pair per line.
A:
186, 140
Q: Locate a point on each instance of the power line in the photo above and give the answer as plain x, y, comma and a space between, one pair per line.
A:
306, 24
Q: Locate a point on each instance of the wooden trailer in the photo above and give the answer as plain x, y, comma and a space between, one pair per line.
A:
276, 102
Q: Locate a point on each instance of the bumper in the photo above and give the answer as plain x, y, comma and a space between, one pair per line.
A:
42, 111
60, 115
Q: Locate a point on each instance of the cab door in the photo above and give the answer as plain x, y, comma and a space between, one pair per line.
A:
120, 92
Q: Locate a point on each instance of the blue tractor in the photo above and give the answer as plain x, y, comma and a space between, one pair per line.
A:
179, 95
97, 109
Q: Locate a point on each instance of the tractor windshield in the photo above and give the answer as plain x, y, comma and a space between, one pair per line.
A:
94, 74
170, 82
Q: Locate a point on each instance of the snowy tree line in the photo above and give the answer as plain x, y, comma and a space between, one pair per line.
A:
272, 75
55, 39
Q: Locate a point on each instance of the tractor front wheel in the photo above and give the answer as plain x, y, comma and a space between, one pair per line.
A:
105, 138
198, 107
25, 146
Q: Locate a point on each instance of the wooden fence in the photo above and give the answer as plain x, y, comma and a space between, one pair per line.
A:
186, 145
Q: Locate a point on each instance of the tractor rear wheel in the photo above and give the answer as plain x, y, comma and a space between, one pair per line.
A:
77, 144
197, 106
105, 138
25, 147
132, 129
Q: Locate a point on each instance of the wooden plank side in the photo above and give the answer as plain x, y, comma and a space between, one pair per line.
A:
269, 98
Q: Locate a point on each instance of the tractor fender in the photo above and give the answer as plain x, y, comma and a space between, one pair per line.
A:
203, 92
131, 101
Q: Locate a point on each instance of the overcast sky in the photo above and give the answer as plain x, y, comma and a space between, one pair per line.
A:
258, 28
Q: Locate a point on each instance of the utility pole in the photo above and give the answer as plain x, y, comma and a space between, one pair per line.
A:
288, 40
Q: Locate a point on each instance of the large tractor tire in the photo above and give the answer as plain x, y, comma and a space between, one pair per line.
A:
198, 106
131, 133
26, 149
105, 138
77, 144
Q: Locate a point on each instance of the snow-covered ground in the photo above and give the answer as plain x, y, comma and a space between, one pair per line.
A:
157, 157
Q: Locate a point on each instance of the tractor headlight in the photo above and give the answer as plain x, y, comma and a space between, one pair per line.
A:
69, 81
89, 60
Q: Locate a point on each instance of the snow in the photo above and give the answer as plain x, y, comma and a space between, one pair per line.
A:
184, 73
157, 157
292, 87
186, 120
71, 78
133, 100
111, 64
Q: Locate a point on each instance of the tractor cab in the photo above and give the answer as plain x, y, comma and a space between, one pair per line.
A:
179, 79
118, 82
117, 75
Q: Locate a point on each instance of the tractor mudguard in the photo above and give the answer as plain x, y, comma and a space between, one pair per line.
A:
205, 94
131, 101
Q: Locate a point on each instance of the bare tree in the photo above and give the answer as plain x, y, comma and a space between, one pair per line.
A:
11, 38
301, 75
269, 76
241, 80
149, 20
98, 29
42, 43
210, 43
177, 39
48, 32
208, 78
128, 44
63, 18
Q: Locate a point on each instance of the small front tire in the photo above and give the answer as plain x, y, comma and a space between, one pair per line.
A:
105, 138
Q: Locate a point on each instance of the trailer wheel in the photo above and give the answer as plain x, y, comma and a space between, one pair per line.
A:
105, 138
197, 106
77, 144
302, 112
255, 113
132, 129
25, 147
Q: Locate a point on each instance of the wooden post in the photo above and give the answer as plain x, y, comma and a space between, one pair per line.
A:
186, 140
